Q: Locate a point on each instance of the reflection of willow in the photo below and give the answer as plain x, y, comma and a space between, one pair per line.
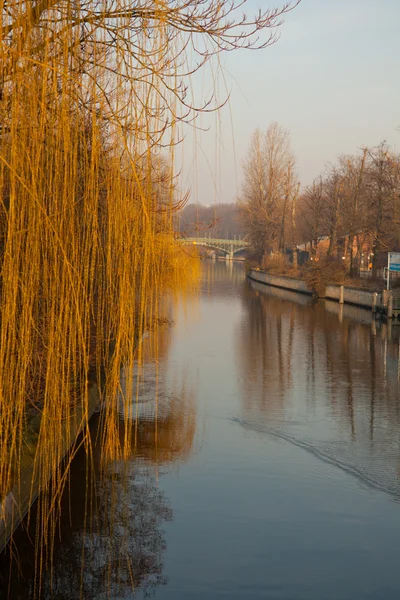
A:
291, 352
159, 422
160, 425
112, 509
167, 438
109, 541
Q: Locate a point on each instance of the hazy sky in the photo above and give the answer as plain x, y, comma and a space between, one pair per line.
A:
333, 79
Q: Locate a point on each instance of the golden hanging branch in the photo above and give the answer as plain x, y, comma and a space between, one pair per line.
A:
91, 91
155, 45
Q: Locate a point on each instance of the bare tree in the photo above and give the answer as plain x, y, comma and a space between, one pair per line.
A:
138, 55
89, 92
357, 201
293, 223
382, 191
268, 189
354, 209
334, 201
290, 191
312, 215
217, 221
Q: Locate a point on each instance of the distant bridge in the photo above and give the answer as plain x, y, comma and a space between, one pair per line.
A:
228, 247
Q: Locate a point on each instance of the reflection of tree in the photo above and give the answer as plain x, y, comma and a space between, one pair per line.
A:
109, 540
168, 438
372, 385
266, 351
291, 352
221, 277
124, 547
158, 417
161, 424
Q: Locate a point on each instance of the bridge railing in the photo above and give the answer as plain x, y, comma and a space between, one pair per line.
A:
205, 241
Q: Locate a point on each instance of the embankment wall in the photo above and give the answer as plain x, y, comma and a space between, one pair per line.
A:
351, 295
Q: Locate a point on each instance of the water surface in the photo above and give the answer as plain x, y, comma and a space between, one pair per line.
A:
269, 467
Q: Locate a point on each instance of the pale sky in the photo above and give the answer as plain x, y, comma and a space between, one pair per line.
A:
333, 80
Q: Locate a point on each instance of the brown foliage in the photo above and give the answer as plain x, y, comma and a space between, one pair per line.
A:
319, 274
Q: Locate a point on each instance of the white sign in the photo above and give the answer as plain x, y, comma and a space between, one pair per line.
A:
394, 261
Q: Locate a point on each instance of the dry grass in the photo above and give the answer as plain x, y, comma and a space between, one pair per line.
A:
319, 274
370, 285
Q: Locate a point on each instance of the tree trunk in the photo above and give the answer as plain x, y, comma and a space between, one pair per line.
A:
375, 248
294, 246
332, 250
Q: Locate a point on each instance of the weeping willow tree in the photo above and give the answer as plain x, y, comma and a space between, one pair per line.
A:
93, 98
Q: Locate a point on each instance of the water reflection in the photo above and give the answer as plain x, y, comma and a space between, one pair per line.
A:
299, 405
109, 542
159, 423
222, 278
322, 377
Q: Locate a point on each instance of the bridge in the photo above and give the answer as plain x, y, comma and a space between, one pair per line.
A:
228, 247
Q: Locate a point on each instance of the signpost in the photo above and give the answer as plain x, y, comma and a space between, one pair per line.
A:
393, 265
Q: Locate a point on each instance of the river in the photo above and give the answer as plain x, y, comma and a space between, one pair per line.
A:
267, 468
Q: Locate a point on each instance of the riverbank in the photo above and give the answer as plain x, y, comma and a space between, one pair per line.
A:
376, 301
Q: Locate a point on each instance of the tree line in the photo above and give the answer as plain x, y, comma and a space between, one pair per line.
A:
221, 221
353, 204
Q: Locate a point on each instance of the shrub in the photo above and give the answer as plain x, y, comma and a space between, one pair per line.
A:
319, 274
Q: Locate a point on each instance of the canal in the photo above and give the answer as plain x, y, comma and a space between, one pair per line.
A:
266, 463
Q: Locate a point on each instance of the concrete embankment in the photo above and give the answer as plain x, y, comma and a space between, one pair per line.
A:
342, 294
352, 295
280, 281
